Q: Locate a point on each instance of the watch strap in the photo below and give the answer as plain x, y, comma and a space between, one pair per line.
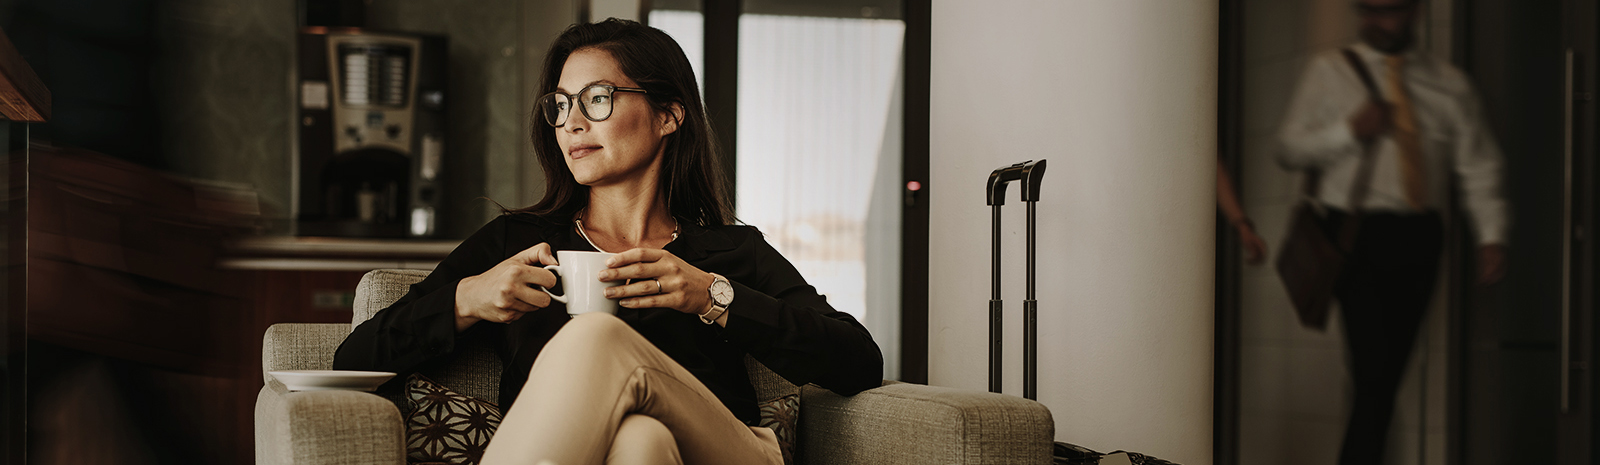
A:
711, 316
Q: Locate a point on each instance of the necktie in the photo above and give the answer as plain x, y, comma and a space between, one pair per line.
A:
1406, 135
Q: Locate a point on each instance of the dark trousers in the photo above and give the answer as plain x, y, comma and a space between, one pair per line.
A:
1383, 294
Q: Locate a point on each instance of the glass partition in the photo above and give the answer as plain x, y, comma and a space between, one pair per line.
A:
13, 338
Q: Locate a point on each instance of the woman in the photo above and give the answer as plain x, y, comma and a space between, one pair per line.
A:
628, 154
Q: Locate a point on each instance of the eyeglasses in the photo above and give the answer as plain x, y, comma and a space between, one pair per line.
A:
595, 101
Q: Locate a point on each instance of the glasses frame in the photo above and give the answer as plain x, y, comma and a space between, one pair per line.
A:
584, 107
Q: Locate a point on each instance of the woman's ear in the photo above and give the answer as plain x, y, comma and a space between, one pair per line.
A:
671, 119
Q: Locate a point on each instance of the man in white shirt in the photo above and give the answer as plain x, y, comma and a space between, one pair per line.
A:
1428, 130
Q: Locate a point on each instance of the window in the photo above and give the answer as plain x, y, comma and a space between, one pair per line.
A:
688, 28
819, 145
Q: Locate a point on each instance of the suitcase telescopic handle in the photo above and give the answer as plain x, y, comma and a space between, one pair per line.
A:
1029, 173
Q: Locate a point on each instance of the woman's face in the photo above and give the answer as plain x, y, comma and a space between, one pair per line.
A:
627, 146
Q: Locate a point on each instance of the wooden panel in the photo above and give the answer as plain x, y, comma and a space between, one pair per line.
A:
122, 264
306, 296
129, 320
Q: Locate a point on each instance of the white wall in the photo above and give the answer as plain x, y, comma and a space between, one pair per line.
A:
1120, 97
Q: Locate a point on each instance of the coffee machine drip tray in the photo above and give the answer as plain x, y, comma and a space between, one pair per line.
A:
363, 195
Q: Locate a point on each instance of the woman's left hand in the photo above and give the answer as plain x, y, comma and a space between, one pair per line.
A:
661, 280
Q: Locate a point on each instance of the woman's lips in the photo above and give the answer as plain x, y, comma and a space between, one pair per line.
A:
580, 151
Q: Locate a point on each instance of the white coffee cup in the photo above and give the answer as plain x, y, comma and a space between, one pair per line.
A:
583, 291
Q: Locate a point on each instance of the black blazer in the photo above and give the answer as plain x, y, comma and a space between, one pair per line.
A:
775, 317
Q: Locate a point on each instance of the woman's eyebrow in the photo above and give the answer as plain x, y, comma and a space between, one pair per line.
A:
599, 81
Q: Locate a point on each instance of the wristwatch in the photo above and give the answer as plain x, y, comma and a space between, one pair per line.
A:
721, 297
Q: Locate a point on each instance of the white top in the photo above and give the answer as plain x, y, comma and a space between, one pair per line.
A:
1316, 133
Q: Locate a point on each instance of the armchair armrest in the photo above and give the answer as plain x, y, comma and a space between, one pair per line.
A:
320, 427
326, 427
902, 423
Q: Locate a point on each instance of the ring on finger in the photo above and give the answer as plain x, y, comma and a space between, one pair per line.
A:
658, 285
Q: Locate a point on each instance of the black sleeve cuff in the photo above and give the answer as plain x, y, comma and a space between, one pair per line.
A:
437, 319
753, 315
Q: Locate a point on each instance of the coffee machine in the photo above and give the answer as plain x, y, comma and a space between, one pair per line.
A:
372, 125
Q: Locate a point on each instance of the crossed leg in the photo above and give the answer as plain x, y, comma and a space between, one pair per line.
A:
642, 440
600, 392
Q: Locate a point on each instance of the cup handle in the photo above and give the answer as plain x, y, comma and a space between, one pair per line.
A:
558, 298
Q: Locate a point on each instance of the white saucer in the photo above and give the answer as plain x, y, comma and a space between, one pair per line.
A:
323, 380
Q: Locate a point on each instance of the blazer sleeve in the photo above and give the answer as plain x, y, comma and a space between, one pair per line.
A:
420, 327
784, 323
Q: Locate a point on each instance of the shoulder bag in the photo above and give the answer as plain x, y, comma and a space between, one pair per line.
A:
1311, 262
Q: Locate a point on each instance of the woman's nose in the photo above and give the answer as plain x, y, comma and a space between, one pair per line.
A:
576, 121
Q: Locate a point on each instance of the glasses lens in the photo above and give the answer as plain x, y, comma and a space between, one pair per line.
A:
555, 108
597, 102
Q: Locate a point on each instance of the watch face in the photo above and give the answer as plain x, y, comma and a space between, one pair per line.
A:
722, 292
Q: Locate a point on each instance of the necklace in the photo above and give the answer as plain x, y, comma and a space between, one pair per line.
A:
585, 235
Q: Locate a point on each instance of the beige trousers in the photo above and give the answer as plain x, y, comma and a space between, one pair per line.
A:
601, 393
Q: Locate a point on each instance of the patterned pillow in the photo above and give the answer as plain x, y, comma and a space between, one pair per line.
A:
446, 427
782, 414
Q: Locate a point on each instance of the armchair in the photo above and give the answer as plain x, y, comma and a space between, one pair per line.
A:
897, 423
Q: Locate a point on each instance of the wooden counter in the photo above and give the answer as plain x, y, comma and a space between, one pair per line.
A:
313, 279
285, 253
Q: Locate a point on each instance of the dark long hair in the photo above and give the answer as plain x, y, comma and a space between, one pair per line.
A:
692, 181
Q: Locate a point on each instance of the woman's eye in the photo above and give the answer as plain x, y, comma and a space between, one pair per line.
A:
600, 99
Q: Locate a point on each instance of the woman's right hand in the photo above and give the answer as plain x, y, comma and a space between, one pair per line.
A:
504, 293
